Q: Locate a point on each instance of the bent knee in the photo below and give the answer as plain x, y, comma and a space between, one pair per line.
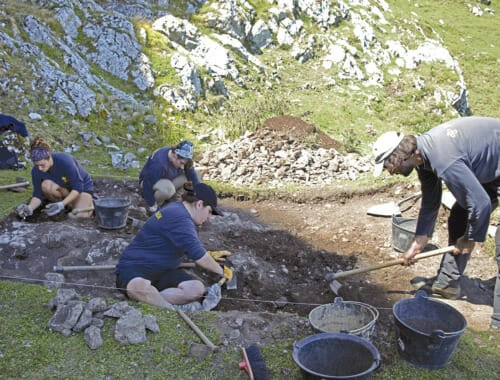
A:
137, 286
193, 289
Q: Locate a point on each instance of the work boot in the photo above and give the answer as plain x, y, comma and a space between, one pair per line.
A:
450, 291
422, 283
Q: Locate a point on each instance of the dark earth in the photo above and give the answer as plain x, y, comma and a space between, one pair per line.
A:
282, 247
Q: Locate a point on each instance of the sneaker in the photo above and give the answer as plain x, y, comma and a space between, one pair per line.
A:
451, 291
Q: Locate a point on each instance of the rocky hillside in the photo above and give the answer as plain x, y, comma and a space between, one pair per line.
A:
134, 63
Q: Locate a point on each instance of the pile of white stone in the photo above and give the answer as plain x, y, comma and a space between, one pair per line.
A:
276, 161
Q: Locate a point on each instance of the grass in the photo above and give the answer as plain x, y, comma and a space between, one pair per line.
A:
29, 350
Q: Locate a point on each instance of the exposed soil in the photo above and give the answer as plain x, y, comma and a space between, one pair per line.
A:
282, 248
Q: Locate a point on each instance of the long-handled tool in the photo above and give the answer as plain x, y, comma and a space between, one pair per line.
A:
333, 277
15, 185
391, 208
198, 332
74, 268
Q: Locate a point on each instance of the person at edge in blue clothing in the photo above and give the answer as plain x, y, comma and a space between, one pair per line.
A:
59, 181
464, 155
165, 172
148, 269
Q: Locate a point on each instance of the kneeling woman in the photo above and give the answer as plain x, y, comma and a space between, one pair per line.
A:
148, 269
58, 180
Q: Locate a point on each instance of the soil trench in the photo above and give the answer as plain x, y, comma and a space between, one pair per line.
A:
281, 251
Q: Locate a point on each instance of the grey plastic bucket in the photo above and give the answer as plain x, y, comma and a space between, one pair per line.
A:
111, 213
354, 318
403, 232
427, 330
335, 356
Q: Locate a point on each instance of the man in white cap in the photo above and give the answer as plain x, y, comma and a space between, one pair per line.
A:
165, 172
464, 154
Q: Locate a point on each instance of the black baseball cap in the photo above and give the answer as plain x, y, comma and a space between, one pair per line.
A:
206, 194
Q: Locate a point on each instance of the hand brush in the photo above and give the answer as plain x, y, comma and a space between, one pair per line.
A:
254, 363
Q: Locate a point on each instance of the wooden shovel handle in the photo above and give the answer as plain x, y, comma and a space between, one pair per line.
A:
19, 184
369, 268
198, 332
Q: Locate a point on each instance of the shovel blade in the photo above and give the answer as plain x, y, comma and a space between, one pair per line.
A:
335, 286
385, 209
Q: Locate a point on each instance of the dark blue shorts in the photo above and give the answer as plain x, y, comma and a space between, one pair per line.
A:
160, 280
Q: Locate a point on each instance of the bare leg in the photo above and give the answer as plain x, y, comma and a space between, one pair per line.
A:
186, 291
140, 289
53, 192
84, 200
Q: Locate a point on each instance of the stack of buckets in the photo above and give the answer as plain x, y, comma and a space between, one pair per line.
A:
343, 348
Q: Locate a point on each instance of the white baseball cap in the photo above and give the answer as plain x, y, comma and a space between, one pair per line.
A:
383, 148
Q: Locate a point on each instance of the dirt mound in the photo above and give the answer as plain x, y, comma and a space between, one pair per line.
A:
296, 128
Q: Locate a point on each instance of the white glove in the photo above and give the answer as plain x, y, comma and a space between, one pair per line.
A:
153, 208
24, 210
54, 208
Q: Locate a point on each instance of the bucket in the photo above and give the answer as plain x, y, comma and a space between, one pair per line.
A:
335, 356
354, 318
111, 213
403, 232
427, 330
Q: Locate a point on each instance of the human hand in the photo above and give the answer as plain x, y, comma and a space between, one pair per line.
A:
219, 255
54, 208
408, 256
24, 210
463, 246
228, 273
153, 209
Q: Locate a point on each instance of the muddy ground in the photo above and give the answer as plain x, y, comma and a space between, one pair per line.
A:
282, 248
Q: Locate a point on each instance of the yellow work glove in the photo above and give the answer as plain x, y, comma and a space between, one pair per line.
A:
219, 255
228, 273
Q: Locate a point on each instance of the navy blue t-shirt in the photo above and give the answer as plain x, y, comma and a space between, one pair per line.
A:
164, 241
66, 172
158, 166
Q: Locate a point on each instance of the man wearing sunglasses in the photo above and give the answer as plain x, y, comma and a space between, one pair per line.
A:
165, 172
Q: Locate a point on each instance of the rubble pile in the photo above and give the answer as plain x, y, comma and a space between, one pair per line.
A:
277, 159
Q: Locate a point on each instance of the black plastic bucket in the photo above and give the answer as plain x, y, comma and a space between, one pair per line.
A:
336, 356
111, 213
427, 330
355, 318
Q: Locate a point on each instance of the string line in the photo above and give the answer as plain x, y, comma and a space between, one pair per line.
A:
222, 298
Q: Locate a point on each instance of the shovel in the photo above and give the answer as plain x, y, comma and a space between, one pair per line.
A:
391, 208
333, 277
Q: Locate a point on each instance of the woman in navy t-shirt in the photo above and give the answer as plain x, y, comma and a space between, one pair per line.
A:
58, 181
